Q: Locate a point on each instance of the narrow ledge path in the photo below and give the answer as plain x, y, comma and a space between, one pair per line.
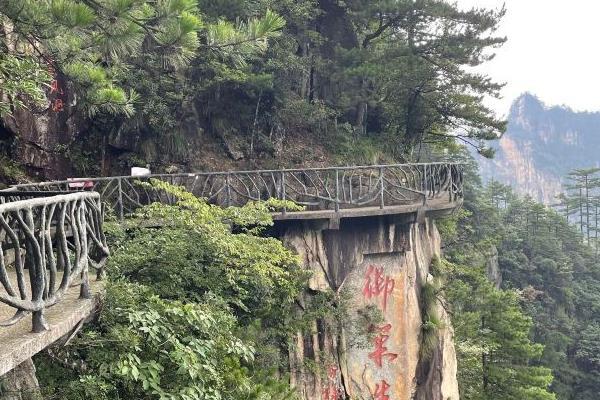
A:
18, 343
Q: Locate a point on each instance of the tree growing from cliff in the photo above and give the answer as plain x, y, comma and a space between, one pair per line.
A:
95, 44
119, 68
415, 54
380, 71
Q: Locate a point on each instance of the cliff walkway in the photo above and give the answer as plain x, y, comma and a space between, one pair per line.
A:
51, 233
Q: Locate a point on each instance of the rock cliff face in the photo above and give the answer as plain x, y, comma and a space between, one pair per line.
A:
371, 265
20, 383
541, 145
38, 139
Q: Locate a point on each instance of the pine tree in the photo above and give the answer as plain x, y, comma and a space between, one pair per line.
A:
497, 359
582, 182
125, 64
408, 67
95, 45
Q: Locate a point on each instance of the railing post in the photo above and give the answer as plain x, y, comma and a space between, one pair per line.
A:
101, 272
426, 183
460, 186
120, 208
39, 323
450, 172
337, 190
282, 191
84, 290
228, 189
381, 189
462, 181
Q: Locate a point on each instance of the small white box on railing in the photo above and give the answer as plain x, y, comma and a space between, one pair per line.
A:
139, 171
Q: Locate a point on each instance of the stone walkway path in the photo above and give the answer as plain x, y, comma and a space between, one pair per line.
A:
18, 343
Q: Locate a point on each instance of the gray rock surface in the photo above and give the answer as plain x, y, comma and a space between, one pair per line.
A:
374, 263
20, 383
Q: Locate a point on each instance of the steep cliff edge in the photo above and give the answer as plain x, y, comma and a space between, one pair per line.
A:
369, 265
540, 146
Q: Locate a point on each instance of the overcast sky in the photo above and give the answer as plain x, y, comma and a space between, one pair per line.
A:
553, 51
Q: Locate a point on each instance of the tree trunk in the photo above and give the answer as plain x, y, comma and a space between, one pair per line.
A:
361, 116
587, 208
581, 209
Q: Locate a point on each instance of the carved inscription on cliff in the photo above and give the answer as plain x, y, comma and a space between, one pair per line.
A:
379, 368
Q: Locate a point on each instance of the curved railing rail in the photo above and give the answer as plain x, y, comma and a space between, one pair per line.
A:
316, 188
49, 240
47, 244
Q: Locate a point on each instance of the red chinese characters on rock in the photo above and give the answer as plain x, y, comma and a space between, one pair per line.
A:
378, 285
381, 351
57, 104
55, 87
381, 391
332, 391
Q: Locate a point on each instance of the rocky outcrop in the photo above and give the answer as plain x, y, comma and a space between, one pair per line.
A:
37, 136
376, 269
20, 383
441, 367
493, 268
41, 139
541, 146
515, 165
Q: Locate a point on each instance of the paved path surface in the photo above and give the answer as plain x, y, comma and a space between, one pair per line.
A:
17, 343
432, 206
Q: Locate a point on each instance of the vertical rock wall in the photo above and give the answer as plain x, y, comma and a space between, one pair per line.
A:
40, 133
20, 383
377, 266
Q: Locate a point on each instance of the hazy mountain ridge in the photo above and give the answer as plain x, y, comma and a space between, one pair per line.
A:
541, 145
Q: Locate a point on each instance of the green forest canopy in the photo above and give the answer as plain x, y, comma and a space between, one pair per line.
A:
544, 269
398, 72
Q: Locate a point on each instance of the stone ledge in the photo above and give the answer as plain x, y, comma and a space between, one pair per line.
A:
433, 209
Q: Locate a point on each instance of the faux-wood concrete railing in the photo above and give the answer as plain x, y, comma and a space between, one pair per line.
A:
47, 244
49, 239
332, 189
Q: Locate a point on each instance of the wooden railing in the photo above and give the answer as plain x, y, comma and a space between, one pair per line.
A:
48, 244
316, 188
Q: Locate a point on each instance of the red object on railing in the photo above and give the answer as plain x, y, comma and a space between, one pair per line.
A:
80, 184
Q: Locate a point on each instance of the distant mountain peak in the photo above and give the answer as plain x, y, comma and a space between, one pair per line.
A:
527, 104
541, 145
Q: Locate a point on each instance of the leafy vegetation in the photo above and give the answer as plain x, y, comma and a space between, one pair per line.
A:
23, 82
199, 306
393, 77
544, 280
